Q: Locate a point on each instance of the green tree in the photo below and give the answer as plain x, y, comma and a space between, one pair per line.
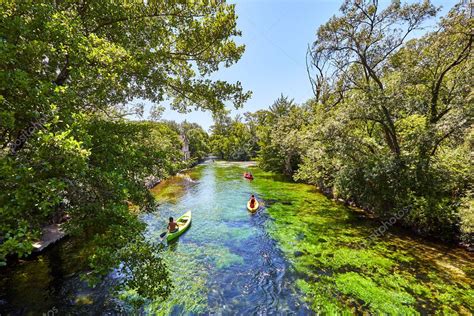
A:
68, 70
279, 136
356, 48
389, 127
232, 139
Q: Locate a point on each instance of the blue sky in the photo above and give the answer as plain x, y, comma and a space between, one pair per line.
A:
276, 34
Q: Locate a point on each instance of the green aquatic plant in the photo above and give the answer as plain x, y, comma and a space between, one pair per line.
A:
224, 258
190, 271
188, 275
225, 234
376, 298
169, 190
327, 243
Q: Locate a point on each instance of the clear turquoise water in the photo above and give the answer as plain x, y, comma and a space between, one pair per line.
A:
226, 262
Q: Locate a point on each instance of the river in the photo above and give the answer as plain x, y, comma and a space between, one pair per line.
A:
300, 254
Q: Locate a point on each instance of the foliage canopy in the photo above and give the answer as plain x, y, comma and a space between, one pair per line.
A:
68, 73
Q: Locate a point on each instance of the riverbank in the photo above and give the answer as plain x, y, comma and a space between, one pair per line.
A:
393, 221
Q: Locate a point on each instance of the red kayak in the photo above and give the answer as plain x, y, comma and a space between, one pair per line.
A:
248, 176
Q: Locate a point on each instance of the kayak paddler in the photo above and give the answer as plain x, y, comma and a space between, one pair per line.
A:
172, 225
252, 201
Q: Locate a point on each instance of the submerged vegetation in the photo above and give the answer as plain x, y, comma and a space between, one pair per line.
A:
300, 252
338, 271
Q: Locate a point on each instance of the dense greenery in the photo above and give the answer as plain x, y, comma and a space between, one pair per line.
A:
392, 119
279, 135
269, 135
196, 138
340, 273
390, 126
69, 70
233, 139
334, 270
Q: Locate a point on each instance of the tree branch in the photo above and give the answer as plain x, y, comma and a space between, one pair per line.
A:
434, 100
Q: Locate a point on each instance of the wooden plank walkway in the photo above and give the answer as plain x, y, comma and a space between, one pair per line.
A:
51, 234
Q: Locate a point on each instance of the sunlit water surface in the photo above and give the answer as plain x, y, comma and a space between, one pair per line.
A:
227, 262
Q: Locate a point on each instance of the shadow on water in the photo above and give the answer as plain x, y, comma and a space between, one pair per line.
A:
50, 282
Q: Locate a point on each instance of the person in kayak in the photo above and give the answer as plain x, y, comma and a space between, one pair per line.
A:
252, 201
172, 226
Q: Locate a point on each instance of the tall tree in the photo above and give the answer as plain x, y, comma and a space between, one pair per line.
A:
68, 56
356, 47
279, 134
232, 139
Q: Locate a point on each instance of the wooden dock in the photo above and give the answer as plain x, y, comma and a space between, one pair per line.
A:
50, 235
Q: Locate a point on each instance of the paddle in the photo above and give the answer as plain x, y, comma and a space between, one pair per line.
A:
162, 236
